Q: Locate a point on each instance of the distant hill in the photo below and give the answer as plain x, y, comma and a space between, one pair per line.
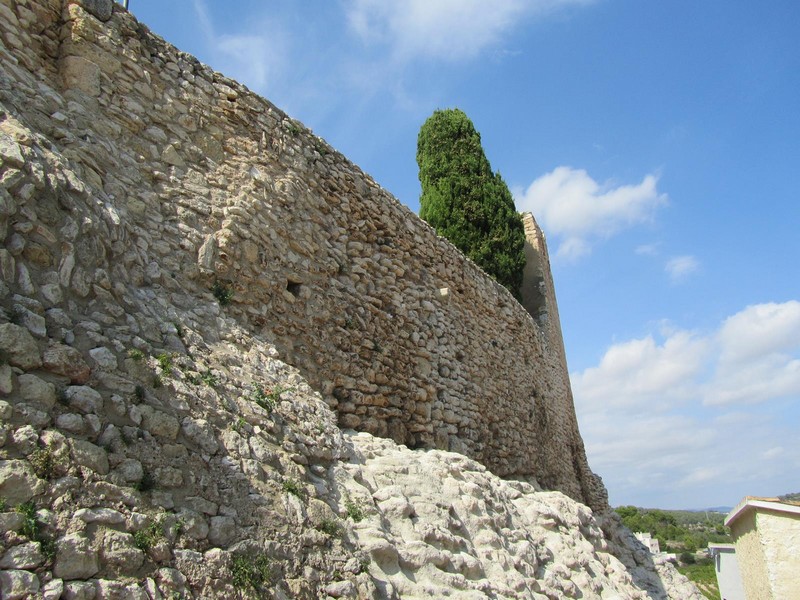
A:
719, 509
794, 497
678, 530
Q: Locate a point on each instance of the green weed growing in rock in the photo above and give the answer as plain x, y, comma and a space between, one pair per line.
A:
136, 354
165, 362
267, 398
251, 571
147, 537
363, 564
238, 424
138, 391
3, 504
48, 548
292, 127
157, 381
330, 527
43, 462
30, 524
222, 292
32, 529
292, 486
354, 510
209, 378
178, 527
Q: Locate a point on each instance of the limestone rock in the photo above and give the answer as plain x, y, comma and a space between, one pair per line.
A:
23, 556
18, 483
88, 455
102, 9
83, 398
37, 392
10, 152
76, 558
120, 553
18, 585
200, 432
19, 347
67, 361
222, 531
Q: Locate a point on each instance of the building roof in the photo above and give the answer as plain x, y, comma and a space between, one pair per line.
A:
754, 503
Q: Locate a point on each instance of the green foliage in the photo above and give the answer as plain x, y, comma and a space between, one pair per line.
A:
354, 510
136, 354
3, 504
47, 546
292, 486
677, 530
238, 424
267, 398
703, 575
147, 537
251, 571
209, 378
165, 362
31, 528
43, 462
464, 201
222, 292
330, 527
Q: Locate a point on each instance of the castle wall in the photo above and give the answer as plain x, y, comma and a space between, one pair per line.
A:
202, 183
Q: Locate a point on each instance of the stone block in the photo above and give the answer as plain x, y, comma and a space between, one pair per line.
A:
67, 361
102, 9
81, 74
18, 482
19, 347
18, 585
75, 558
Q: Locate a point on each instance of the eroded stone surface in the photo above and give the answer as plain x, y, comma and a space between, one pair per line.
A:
202, 291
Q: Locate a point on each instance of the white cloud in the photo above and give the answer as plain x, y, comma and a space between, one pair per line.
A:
638, 370
689, 415
758, 362
760, 329
251, 58
680, 267
647, 250
445, 29
577, 210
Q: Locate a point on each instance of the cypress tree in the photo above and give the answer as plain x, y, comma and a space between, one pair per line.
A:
465, 202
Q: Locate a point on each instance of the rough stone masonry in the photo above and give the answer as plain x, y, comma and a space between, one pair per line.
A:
203, 183
167, 236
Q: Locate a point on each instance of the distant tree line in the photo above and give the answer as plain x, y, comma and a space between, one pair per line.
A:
679, 530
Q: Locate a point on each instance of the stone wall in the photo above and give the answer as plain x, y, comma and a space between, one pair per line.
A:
200, 184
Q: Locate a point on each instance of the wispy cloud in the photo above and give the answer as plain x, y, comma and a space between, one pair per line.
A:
668, 406
578, 211
255, 55
449, 30
680, 267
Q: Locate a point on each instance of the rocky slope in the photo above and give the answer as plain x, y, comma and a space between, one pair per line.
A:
154, 445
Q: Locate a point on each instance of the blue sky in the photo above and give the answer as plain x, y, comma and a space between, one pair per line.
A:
657, 144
